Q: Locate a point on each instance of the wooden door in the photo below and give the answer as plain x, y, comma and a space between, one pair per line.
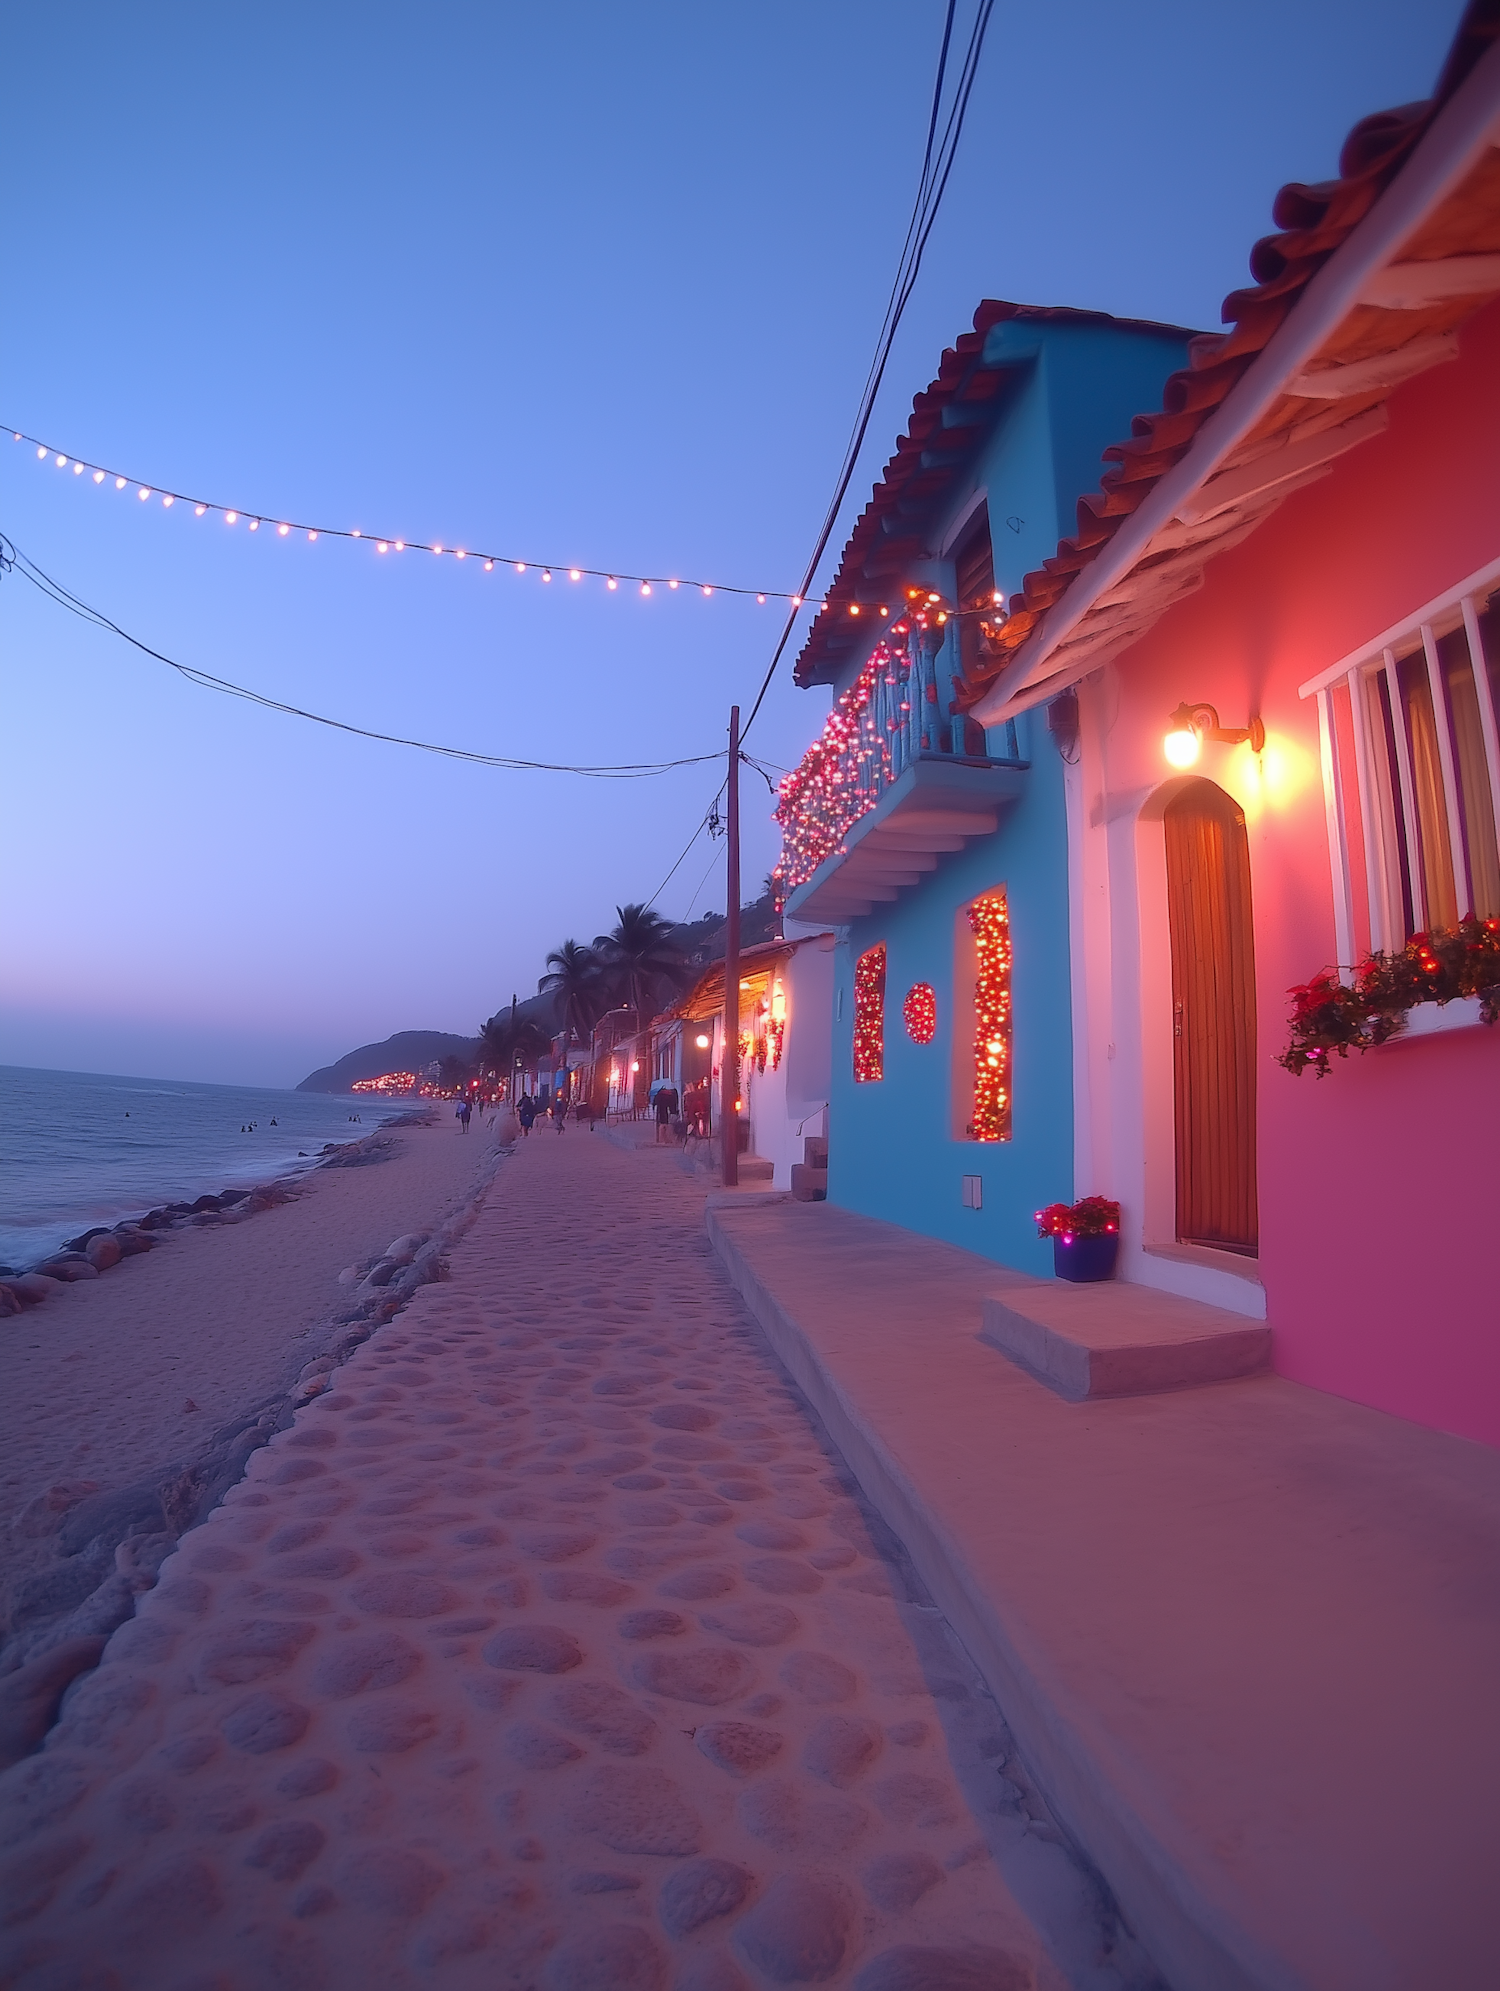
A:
1213, 1018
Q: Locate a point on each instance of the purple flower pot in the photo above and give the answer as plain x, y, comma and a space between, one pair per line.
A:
1084, 1259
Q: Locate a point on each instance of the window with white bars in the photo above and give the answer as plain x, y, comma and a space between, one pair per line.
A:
1411, 773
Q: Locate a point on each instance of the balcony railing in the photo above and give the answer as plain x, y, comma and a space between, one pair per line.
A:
891, 716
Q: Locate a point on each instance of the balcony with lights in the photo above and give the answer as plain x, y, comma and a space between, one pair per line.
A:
890, 786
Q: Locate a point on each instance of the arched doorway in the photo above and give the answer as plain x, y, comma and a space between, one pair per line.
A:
1213, 1018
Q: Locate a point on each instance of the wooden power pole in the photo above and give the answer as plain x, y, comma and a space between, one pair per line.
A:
729, 1063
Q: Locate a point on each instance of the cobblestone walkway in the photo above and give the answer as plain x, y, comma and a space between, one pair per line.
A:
550, 1648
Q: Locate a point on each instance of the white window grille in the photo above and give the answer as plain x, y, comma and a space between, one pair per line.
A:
1411, 772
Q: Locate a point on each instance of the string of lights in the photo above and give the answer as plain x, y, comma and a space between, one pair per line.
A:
643, 585
11, 558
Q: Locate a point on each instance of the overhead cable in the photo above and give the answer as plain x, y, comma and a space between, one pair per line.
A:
937, 164
12, 557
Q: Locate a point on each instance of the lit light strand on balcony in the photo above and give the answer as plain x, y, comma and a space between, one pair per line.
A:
643, 586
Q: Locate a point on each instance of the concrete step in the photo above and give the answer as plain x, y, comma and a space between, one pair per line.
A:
815, 1150
809, 1185
1113, 1339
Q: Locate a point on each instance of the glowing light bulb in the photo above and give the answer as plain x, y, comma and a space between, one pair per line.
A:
612, 583
460, 554
673, 586
311, 536
546, 573
356, 534
645, 587
575, 573
437, 549
761, 599
230, 517
708, 591
400, 545
199, 510
143, 493
885, 611
42, 454
61, 461
98, 476
1182, 746
119, 483
796, 601
520, 566
383, 547
255, 525
283, 530
77, 469
167, 500
854, 608
489, 566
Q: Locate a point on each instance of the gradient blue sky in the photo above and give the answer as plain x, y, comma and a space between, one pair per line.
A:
596, 283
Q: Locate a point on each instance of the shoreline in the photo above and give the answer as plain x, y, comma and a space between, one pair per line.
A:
136, 1400
249, 1184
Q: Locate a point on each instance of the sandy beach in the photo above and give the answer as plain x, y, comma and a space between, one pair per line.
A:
551, 1648
123, 1382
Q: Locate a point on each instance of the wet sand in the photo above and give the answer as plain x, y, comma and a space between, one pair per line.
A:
111, 1380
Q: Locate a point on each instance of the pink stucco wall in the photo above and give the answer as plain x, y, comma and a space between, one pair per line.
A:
1379, 1185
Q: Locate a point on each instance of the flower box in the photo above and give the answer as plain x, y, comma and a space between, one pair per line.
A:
1084, 1259
1085, 1238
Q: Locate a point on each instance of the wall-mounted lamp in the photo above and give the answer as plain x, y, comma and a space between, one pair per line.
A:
701, 1041
1190, 725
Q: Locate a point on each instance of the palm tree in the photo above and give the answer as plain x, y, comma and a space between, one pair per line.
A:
507, 1041
639, 956
575, 982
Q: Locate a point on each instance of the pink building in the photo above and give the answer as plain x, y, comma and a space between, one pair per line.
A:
1306, 538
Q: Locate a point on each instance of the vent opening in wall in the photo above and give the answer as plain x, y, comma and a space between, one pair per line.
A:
972, 1191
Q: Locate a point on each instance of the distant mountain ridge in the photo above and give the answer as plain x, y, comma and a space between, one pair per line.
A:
407, 1051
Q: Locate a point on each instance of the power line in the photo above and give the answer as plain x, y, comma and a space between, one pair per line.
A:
12, 557
704, 823
936, 167
283, 527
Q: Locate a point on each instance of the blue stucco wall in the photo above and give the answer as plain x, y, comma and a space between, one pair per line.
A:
892, 1150
892, 1153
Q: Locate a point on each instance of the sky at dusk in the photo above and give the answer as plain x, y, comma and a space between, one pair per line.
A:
594, 284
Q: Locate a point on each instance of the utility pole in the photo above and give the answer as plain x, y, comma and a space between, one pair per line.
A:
729, 1064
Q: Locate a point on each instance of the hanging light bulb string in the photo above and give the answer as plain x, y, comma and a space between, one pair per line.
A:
613, 578
12, 559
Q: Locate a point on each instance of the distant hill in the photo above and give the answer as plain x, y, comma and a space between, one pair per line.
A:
407, 1051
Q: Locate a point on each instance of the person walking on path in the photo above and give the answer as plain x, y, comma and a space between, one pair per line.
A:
548, 1646
464, 1113
559, 1112
666, 1106
526, 1113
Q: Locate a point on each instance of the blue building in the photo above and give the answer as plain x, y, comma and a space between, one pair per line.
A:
939, 851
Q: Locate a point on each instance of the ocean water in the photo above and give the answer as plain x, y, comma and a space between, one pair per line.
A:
80, 1148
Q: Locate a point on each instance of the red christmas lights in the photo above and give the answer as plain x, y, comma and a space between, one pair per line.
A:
989, 919
868, 738
919, 1013
869, 1016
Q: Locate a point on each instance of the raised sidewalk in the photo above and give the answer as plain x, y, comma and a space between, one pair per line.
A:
1247, 1634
